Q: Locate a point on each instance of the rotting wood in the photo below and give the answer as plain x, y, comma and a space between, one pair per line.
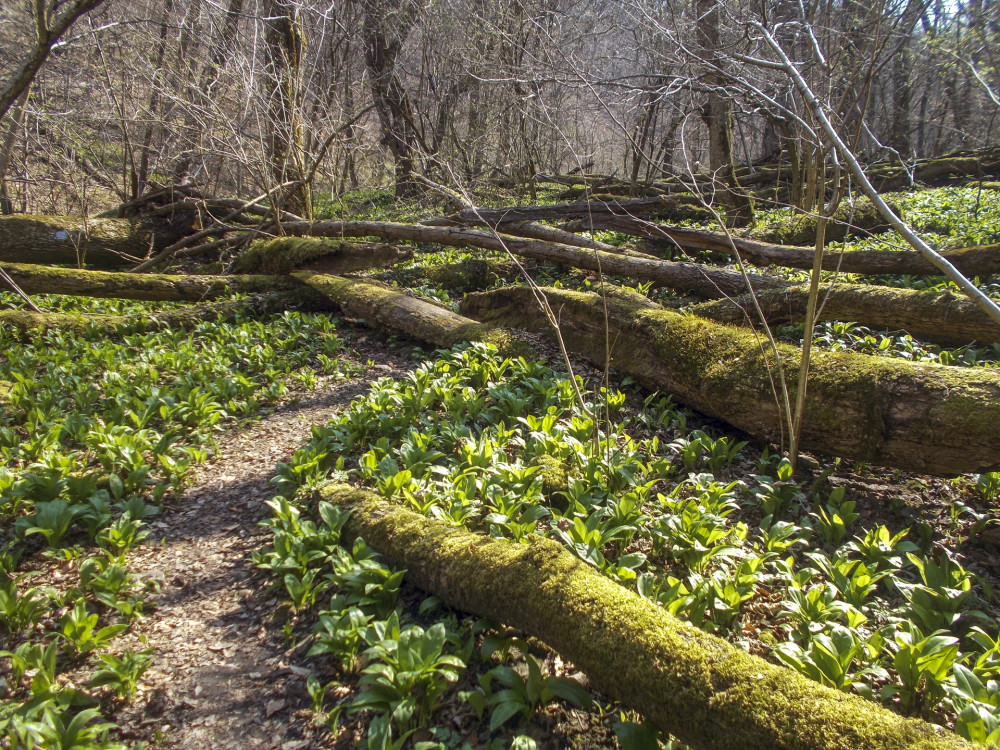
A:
69, 240
916, 417
982, 260
321, 254
693, 685
154, 287
939, 316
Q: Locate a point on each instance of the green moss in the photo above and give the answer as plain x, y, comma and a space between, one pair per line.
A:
5, 391
284, 254
847, 221
689, 683
555, 480
471, 275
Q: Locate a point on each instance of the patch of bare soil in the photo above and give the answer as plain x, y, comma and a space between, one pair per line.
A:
222, 675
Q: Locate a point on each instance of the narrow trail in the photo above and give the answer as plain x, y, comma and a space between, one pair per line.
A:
222, 674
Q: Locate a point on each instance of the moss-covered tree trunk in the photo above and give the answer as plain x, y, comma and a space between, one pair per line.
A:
917, 417
693, 685
155, 287
29, 324
69, 240
702, 280
942, 317
972, 261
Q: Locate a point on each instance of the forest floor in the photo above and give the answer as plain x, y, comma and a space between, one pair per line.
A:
223, 675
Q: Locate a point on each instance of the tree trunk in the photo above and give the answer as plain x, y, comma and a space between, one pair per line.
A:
717, 116
141, 286
941, 317
30, 324
693, 685
285, 47
320, 254
702, 280
95, 242
389, 308
972, 261
385, 27
921, 418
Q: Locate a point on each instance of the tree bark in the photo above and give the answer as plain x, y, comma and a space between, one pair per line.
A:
646, 207
154, 287
941, 317
972, 261
29, 324
916, 417
693, 685
95, 242
707, 282
389, 308
320, 254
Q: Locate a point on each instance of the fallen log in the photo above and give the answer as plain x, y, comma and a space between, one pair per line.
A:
691, 684
386, 307
941, 317
531, 230
707, 282
154, 287
644, 207
27, 323
916, 417
321, 254
972, 261
69, 240
859, 218
473, 275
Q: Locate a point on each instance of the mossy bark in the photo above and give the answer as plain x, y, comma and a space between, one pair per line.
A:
972, 261
321, 254
858, 219
691, 684
693, 277
70, 240
386, 307
917, 417
29, 324
941, 317
35, 279
474, 275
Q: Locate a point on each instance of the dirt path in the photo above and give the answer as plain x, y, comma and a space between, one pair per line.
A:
222, 675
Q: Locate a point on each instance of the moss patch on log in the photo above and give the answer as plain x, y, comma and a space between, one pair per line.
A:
473, 275
283, 255
850, 219
689, 683
918, 417
5, 391
28, 324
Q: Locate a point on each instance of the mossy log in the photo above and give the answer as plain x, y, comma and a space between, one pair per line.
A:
916, 417
972, 261
93, 242
321, 254
710, 283
693, 685
154, 287
29, 324
5, 391
945, 170
941, 317
390, 308
860, 218
646, 207
473, 275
